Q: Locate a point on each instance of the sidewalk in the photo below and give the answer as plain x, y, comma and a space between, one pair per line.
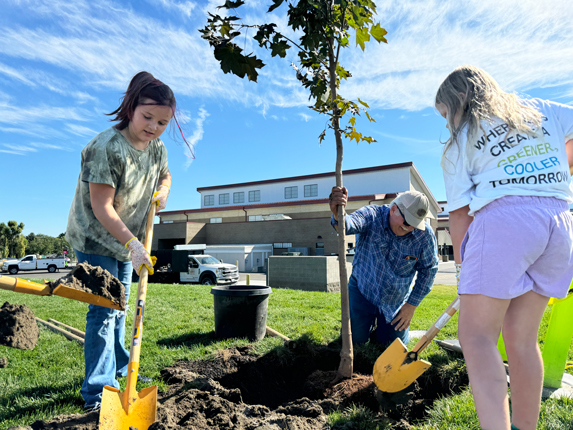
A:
446, 276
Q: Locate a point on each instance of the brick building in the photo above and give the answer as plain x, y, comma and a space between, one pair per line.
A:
288, 212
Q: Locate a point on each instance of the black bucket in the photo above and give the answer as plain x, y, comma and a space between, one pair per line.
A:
241, 311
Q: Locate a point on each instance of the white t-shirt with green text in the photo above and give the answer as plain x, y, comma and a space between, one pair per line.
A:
496, 164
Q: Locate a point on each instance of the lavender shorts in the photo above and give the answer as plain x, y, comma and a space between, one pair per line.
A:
517, 244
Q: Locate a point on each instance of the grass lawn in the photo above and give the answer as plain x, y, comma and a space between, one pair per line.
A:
178, 325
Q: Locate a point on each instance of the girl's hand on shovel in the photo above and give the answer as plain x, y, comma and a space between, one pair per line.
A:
404, 317
140, 256
160, 197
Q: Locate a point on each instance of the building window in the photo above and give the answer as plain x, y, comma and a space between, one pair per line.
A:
291, 192
216, 220
255, 217
282, 245
209, 200
167, 222
239, 197
255, 196
311, 190
320, 245
224, 199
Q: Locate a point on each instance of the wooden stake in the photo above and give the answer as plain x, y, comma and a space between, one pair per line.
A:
59, 330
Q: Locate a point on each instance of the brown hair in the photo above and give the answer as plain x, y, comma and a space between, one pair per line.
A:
142, 86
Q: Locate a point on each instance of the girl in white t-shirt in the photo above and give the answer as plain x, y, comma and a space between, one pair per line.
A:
508, 184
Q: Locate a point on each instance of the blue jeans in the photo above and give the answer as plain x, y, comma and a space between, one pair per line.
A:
363, 316
105, 355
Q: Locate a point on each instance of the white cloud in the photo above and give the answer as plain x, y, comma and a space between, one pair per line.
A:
80, 130
197, 134
50, 146
184, 7
305, 117
13, 115
18, 149
524, 44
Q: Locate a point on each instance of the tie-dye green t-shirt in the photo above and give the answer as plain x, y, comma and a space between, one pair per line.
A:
110, 159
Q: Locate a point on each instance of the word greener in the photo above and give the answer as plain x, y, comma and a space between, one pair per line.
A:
527, 151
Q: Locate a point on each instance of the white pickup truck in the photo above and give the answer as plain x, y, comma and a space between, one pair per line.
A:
207, 270
31, 262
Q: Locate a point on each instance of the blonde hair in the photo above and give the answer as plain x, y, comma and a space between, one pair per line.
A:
478, 96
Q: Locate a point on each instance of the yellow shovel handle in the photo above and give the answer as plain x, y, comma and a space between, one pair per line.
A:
134, 352
21, 286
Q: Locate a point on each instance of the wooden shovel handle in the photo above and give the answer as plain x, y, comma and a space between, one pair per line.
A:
437, 326
137, 333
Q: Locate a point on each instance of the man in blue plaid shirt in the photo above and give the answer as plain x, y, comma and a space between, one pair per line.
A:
393, 243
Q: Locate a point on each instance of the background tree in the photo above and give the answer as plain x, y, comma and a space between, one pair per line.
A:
324, 27
13, 244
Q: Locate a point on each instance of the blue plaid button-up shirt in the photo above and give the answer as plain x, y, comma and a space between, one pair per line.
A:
384, 264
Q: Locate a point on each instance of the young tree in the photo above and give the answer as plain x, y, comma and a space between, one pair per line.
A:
325, 27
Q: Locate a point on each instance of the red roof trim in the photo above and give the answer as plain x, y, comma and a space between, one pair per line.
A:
369, 197
317, 175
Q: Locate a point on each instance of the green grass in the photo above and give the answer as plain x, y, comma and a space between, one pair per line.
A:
178, 325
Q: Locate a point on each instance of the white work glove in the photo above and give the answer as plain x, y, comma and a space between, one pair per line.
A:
140, 256
160, 197
458, 270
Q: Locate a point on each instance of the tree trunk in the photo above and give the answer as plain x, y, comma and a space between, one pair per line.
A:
345, 368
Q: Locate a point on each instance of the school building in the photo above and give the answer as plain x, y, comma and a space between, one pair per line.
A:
285, 214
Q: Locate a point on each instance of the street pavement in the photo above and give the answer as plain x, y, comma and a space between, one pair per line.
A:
446, 275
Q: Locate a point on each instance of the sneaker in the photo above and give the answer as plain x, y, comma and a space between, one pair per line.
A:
92, 408
141, 378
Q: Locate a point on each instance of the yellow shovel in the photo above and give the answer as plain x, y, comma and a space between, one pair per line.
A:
21, 286
130, 409
396, 368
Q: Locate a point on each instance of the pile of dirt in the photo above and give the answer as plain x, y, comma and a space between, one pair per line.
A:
18, 328
93, 280
283, 389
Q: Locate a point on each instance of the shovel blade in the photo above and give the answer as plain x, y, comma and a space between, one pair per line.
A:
393, 371
140, 414
83, 296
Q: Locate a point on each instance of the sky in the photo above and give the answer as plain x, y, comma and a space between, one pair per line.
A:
65, 64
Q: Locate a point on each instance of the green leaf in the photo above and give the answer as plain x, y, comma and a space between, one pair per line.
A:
321, 137
232, 61
362, 36
378, 33
279, 48
369, 117
276, 4
225, 29
232, 4
352, 121
363, 103
369, 139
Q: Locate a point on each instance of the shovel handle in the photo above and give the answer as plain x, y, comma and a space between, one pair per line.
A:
21, 286
426, 339
135, 349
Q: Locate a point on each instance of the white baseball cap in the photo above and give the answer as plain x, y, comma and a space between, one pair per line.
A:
415, 206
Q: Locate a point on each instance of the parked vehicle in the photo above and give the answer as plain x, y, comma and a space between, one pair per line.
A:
31, 262
185, 267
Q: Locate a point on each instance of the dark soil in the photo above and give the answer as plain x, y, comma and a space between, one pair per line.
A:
93, 280
18, 327
284, 389
3, 362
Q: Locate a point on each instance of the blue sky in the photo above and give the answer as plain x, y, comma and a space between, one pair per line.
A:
64, 64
